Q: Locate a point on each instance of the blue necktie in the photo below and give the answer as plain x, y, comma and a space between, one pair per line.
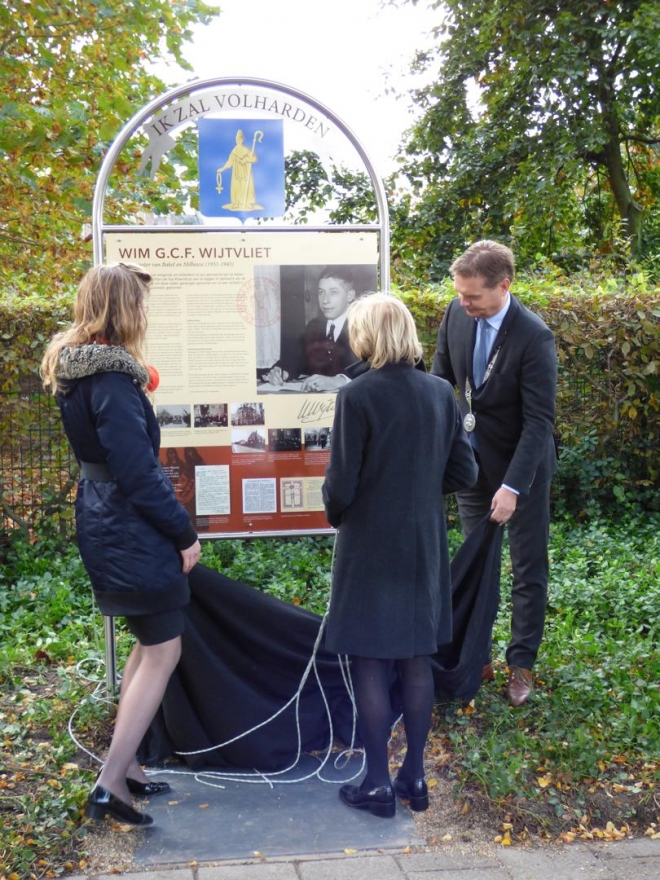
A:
481, 351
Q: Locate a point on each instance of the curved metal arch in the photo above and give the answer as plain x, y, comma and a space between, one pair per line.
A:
186, 90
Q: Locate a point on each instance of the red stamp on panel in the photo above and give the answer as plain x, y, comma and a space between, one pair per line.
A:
258, 302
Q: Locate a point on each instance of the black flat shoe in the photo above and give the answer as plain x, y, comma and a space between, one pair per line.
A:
102, 803
415, 792
147, 789
380, 801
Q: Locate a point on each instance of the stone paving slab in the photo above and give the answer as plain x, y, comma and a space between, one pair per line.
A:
352, 868
626, 849
283, 871
469, 874
444, 861
635, 869
548, 864
165, 874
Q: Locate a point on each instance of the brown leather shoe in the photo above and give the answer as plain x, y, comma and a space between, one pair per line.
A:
521, 684
487, 673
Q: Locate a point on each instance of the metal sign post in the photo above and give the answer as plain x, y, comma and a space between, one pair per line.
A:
284, 501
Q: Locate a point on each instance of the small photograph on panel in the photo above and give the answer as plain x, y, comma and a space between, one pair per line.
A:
284, 440
173, 415
247, 414
248, 440
210, 415
317, 439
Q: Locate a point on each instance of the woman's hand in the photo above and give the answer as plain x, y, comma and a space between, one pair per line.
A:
190, 556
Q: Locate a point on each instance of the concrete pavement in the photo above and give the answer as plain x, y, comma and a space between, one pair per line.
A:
637, 859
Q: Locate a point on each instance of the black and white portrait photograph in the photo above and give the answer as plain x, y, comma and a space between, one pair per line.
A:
304, 348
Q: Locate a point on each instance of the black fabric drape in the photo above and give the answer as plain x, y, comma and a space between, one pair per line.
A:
475, 574
244, 654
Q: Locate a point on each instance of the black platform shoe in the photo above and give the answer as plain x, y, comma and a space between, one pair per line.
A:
415, 792
147, 789
380, 800
102, 803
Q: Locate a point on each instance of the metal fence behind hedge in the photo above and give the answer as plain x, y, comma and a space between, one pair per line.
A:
38, 471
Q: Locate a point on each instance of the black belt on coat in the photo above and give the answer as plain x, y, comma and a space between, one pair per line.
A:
99, 473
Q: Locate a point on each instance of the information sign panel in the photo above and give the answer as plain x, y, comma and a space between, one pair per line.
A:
238, 331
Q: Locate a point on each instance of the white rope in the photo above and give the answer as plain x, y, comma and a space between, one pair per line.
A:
271, 777
94, 697
255, 776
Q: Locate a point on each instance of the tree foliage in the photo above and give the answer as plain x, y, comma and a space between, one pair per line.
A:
542, 126
337, 195
73, 74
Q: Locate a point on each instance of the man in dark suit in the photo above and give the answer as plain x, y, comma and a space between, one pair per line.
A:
324, 350
503, 360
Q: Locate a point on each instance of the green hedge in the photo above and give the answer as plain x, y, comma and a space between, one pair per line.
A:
608, 425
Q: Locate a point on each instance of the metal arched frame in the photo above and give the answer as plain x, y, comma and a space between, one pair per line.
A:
184, 91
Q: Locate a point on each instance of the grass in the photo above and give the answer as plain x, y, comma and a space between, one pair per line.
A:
583, 753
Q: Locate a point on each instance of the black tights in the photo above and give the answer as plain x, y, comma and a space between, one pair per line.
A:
371, 682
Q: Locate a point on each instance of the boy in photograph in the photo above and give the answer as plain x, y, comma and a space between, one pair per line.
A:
324, 350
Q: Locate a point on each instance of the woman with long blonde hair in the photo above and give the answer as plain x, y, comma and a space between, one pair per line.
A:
135, 539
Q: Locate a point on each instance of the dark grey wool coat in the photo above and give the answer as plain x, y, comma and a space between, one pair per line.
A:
130, 529
398, 445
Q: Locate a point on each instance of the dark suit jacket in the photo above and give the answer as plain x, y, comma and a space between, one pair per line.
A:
397, 446
317, 355
515, 408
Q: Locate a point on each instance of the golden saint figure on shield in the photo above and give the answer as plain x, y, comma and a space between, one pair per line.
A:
241, 159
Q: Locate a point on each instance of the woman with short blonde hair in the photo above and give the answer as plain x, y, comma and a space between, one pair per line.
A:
398, 444
382, 331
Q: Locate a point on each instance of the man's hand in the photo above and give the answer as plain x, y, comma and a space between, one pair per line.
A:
323, 383
276, 376
503, 505
190, 556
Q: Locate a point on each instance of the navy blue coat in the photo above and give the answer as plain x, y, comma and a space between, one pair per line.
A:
398, 444
130, 530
